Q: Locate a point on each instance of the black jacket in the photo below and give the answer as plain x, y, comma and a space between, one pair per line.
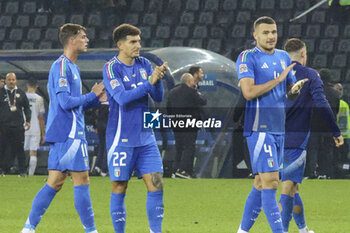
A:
317, 122
185, 100
10, 118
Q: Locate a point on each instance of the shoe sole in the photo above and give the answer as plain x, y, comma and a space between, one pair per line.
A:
182, 176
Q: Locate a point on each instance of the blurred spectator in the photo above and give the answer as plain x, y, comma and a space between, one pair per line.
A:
239, 143
2, 151
2, 81
321, 144
101, 125
184, 99
36, 134
13, 103
197, 74
339, 10
343, 120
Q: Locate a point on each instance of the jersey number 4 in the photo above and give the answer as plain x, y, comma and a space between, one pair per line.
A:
121, 157
267, 149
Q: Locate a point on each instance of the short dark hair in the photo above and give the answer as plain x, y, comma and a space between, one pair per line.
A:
2, 76
325, 75
32, 82
124, 30
263, 19
194, 69
294, 45
69, 30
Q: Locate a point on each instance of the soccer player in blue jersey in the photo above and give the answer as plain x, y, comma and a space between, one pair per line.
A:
129, 81
298, 121
65, 131
265, 78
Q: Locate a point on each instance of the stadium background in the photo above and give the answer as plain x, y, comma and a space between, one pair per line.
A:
29, 43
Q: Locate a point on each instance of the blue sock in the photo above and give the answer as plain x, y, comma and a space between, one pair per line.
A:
272, 212
41, 202
155, 210
298, 211
118, 212
82, 203
286, 203
252, 209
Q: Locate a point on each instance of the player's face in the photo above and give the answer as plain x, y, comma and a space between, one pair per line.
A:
11, 81
200, 75
131, 46
266, 37
81, 42
2, 83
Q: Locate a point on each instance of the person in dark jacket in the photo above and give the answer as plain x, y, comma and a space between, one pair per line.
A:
321, 144
13, 103
184, 101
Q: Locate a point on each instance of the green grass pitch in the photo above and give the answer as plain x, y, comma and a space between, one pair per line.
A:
191, 206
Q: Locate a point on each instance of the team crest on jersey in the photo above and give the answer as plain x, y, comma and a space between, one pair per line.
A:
270, 162
143, 73
283, 64
114, 83
62, 82
116, 171
243, 68
18, 95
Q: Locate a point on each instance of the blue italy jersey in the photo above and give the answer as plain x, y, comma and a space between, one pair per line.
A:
62, 123
299, 111
265, 113
128, 89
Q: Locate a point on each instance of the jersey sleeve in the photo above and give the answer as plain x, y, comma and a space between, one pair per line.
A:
114, 86
245, 65
61, 76
291, 75
41, 105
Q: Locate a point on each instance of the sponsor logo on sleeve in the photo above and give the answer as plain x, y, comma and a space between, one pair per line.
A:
114, 83
62, 82
243, 68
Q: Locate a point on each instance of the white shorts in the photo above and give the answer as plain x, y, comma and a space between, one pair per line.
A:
32, 142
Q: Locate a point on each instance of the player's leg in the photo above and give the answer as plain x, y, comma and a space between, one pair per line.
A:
121, 163
82, 200
269, 149
43, 199
298, 213
286, 203
149, 166
252, 207
34, 141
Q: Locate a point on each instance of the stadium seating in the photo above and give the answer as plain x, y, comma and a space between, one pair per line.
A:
45, 45
318, 17
238, 31
58, 20
267, 4
137, 6
174, 6
192, 5
34, 34
181, 32
16, 34
326, 45
51, 34
217, 33
286, 4
229, 5
41, 21
344, 46
195, 43
12, 7
313, 31
187, 18
132, 19
77, 18
2, 34
27, 45
150, 19
29, 7
249, 5
319, 61
176, 42
206, 18
163, 32
214, 45
146, 32
339, 61
331, 31
200, 32
94, 20
295, 30
5, 21
211, 5
22, 21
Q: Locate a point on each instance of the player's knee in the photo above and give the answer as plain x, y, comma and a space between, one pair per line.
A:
157, 180
119, 186
57, 186
274, 184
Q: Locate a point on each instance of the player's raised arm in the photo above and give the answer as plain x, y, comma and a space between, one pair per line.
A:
252, 91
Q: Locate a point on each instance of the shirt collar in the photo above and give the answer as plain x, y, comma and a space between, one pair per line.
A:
6, 88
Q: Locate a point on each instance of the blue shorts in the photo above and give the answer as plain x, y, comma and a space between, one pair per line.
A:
143, 159
265, 151
70, 155
294, 161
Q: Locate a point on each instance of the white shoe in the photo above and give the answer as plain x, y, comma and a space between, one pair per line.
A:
305, 230
27, 230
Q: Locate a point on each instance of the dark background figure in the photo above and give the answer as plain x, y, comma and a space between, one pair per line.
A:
339, 11
184, 99
2, 151
101, 125
239, 143
197, 74
321, 144
13, 103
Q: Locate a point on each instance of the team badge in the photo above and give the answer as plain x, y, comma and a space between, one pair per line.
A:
114, 83
18, 95
143, 73
243, 68
86, 162
283, 64
62, 82
116, 171
270, 162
